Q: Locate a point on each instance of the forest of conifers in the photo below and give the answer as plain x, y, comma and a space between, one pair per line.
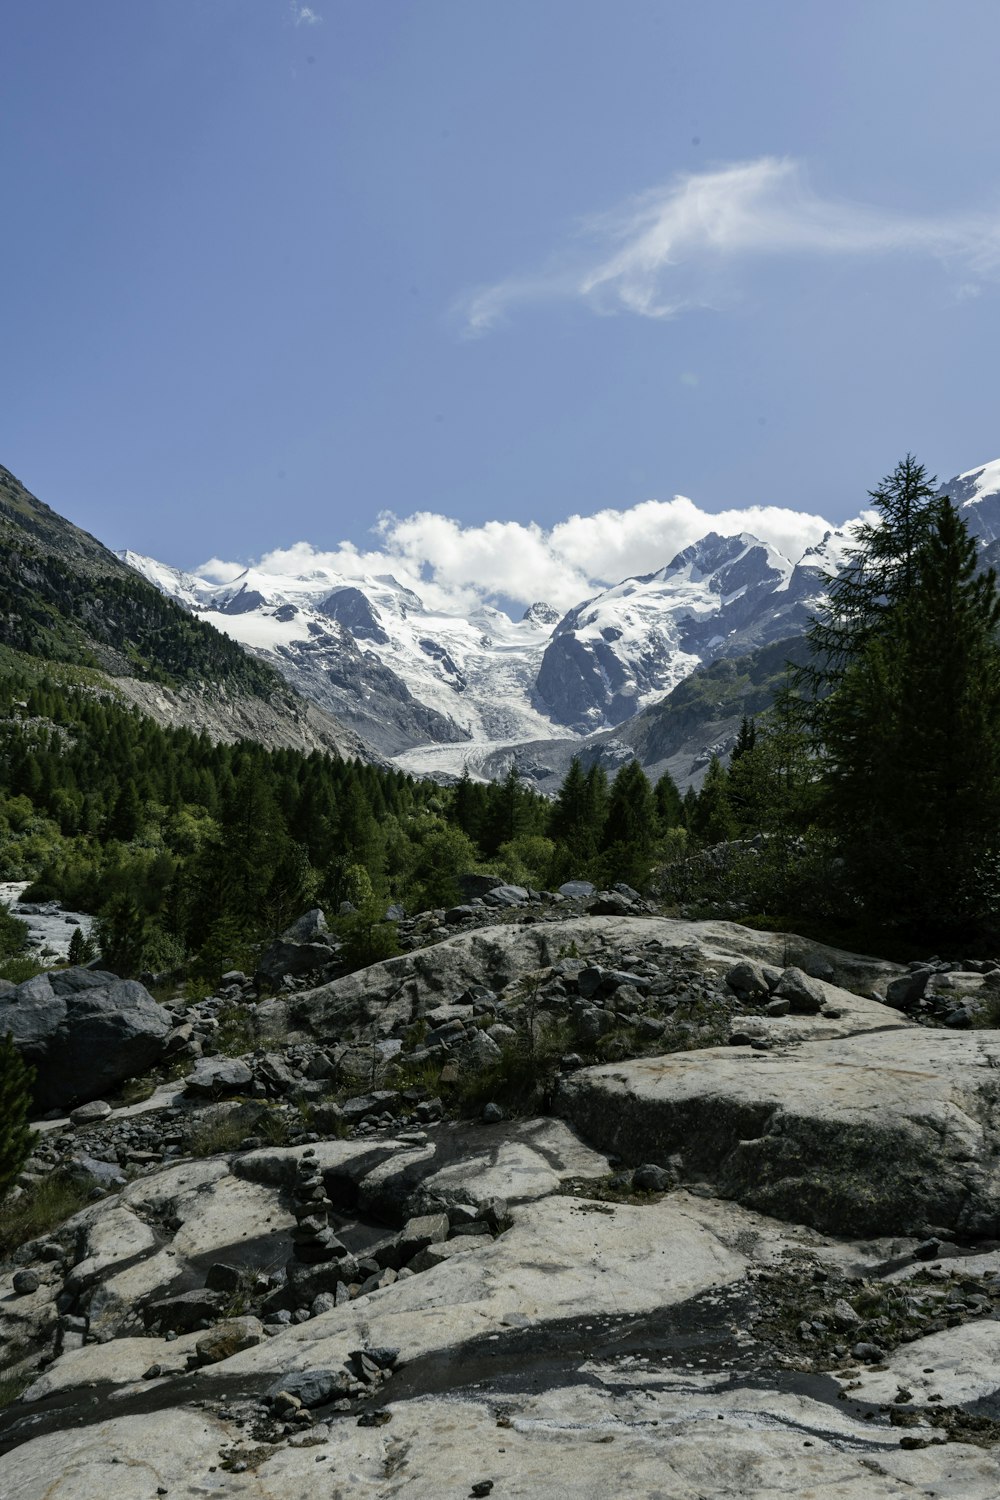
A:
868, 798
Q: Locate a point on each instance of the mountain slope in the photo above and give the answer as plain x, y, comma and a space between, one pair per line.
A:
679, 733
624, 649
64, 597
400, 672
439, 691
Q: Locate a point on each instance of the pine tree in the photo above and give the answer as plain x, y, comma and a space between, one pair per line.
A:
573, 824
469, 806
911, 743
122, 931
713, 821
506, 812
669, 806
629, 828
16, 1138
597, 796
881, 571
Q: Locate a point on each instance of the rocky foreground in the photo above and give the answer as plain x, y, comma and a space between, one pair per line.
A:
585, 1207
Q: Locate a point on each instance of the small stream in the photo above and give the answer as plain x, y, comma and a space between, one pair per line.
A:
50, 927
697, 1337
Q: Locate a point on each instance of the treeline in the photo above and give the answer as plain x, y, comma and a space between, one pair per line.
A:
874, 786
51, 609
866, 801
191, 850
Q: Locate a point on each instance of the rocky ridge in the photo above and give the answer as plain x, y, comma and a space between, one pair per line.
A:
67, 599
563, 1202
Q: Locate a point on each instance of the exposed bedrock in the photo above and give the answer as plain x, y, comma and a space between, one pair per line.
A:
893, 1131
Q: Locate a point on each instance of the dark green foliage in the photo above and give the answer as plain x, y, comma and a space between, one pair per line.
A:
882, 571
366, 935
15, 1100
911, 742
712, 820
469, 806
669, 806
122, 932
629, 832
575, 825
439, 855
13, 934
81, 949
510, 810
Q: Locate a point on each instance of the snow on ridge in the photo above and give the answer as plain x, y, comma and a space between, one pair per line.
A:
482, 671
986, 479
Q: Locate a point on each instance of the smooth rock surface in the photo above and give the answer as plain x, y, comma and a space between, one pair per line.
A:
797, 1132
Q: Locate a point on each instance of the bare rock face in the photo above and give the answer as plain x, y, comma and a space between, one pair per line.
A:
405, 987
888, 1132
84, 1032
788, 1282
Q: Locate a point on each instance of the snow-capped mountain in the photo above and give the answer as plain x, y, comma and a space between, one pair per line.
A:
976, 493
369, 650
627, 647
438, 691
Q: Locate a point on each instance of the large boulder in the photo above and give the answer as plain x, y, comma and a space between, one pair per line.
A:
311, 927
84, 1032
303, 948
283, 958
894, 1131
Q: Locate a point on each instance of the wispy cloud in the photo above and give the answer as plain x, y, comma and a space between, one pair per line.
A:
305, 16
678, 246
456, 567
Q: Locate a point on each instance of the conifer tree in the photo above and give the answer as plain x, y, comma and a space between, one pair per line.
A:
629, 828
77, 947
712, 820
911, 742
669, 806
572, 824
15, 1101
881, 571
506, 812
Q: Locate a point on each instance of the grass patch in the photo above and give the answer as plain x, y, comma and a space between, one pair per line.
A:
40, 1209
17, 970
222, 1134
987, 1017
137, 1090
236, 1033
404, 1074
218, 1137
519, 1080
12, 1386
608, 1189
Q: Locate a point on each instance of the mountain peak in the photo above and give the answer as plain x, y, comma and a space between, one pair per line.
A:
541, 613
714, 551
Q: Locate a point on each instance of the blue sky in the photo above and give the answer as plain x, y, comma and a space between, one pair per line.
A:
271, 271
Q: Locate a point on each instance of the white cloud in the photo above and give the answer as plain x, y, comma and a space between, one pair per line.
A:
677, 247
455, 567
217, 571
305, 16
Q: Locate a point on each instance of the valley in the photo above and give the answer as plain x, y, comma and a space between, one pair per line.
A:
440, 693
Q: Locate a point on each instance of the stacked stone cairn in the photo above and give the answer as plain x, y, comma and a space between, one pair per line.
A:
312, 1236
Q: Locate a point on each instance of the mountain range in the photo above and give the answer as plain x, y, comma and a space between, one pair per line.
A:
442, 692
